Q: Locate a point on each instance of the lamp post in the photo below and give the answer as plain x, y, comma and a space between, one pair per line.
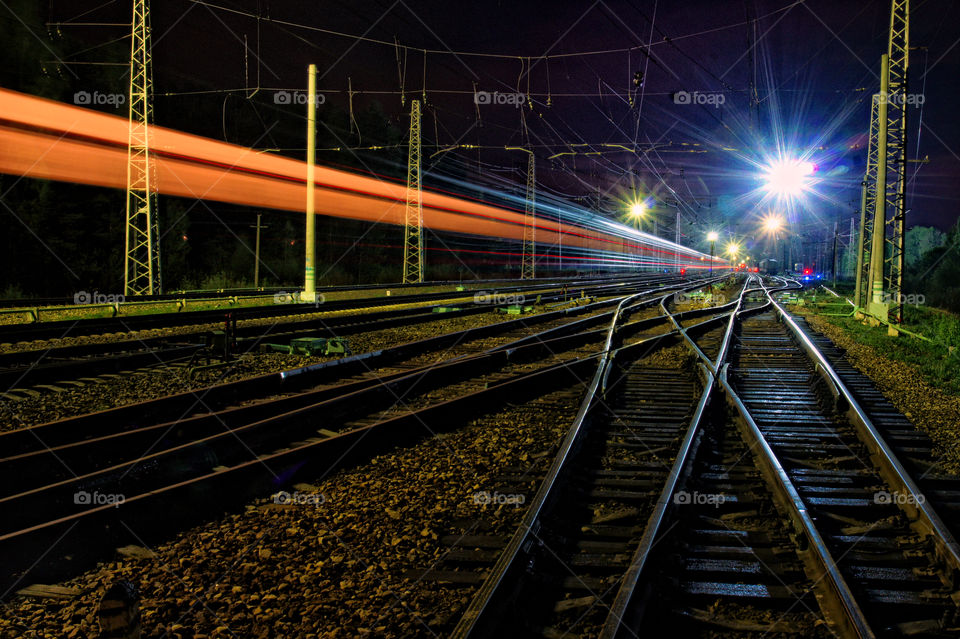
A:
732, 250
772, 225
712, 237
637, 210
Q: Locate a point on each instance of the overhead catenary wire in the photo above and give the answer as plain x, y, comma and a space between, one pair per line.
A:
504, 56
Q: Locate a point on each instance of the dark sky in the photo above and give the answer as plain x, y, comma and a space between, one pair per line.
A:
812, 64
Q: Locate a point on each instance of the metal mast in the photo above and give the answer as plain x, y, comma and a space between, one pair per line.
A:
881, 260
528, 264
142, 250
413, 234
868, 201
896, 178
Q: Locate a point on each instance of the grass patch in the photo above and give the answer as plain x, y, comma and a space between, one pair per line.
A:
936, 363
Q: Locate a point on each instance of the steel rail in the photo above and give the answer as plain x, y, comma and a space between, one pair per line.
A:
42, 467
851, 617
525, 537
214, 398
715, 372
87, 535
678, 471
526, 532
93, 326
890, 466
53, 460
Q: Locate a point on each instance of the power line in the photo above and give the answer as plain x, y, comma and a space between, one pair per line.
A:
514, 56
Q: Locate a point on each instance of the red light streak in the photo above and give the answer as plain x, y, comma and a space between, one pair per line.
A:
42, 138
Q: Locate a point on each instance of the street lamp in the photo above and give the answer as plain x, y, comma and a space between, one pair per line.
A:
637, 210
732, 249
772, 224
712, 237
787, 178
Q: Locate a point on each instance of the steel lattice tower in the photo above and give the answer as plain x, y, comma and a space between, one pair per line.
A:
896, 178
868, 201
528, 264
881, 260
142, 251
413, 233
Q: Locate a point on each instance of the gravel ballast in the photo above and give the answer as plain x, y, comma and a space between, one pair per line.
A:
332, 566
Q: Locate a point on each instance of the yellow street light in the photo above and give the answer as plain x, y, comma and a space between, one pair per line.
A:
772, 223
713, 236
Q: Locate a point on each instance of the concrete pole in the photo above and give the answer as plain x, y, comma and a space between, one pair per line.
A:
880, 210
256, 264
310, 271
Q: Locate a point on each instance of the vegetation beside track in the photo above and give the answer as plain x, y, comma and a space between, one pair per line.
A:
922, 379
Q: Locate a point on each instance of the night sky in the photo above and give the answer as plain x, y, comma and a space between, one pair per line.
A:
797, 74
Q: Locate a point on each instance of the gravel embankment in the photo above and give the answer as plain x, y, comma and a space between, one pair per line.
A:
328, 570
926, 406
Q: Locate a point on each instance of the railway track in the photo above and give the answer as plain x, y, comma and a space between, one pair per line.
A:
32, 302
586, 521
15, 333
401, 357
726, 476
781, 510
57, 367
169, 459
911, 446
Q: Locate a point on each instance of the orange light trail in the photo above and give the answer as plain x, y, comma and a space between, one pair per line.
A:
42, 138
